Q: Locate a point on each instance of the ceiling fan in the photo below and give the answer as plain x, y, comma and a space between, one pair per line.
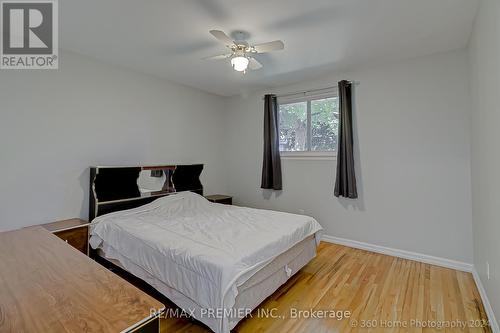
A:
241, 54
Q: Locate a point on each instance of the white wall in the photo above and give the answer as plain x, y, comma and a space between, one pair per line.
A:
55, 124
413, 159
485, 73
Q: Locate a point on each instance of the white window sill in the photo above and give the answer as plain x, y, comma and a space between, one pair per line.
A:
308, 155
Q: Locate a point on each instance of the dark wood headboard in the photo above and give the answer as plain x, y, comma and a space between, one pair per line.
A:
115, 188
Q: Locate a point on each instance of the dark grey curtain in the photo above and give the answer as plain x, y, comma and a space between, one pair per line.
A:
271, 165
345, 183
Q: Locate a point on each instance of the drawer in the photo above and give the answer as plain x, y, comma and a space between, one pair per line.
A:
226, 201
77, 237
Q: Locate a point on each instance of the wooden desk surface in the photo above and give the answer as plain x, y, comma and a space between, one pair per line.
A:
48, 286
65, 225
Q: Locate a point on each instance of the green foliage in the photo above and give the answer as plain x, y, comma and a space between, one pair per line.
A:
293, 126
324, 121
324, 125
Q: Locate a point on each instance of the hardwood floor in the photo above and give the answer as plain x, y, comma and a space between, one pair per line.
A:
382, 293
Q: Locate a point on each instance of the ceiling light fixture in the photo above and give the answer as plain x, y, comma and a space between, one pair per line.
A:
240, 63
242, 55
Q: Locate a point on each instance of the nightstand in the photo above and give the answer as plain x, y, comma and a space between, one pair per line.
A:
219, 198
75, 232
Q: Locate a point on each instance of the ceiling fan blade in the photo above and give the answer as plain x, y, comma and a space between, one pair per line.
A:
254, 64
218, 57
222, 37
268, 47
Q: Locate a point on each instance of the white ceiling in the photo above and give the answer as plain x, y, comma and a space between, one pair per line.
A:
168, 38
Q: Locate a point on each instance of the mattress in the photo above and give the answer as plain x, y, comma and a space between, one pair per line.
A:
204, 251
250, 294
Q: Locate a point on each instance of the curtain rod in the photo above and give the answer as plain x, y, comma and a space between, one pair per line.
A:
356, 83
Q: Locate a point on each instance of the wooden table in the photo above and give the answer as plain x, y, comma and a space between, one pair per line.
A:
220, 198
48, 286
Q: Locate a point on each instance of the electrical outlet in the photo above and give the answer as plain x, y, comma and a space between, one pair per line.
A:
488, 270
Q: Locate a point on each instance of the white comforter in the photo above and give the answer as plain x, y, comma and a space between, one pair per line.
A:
201, 249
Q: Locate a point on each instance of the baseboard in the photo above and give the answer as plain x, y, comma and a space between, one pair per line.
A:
486, 302
448, 263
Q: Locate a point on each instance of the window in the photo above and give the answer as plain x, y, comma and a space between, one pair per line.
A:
308, 126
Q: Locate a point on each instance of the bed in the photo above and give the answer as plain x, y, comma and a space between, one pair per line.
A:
217, 262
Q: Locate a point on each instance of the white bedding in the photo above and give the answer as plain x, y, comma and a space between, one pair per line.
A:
203, 250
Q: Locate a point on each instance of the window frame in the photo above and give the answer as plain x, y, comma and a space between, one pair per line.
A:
308, 98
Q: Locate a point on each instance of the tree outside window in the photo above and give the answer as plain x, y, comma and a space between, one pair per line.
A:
309, 125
